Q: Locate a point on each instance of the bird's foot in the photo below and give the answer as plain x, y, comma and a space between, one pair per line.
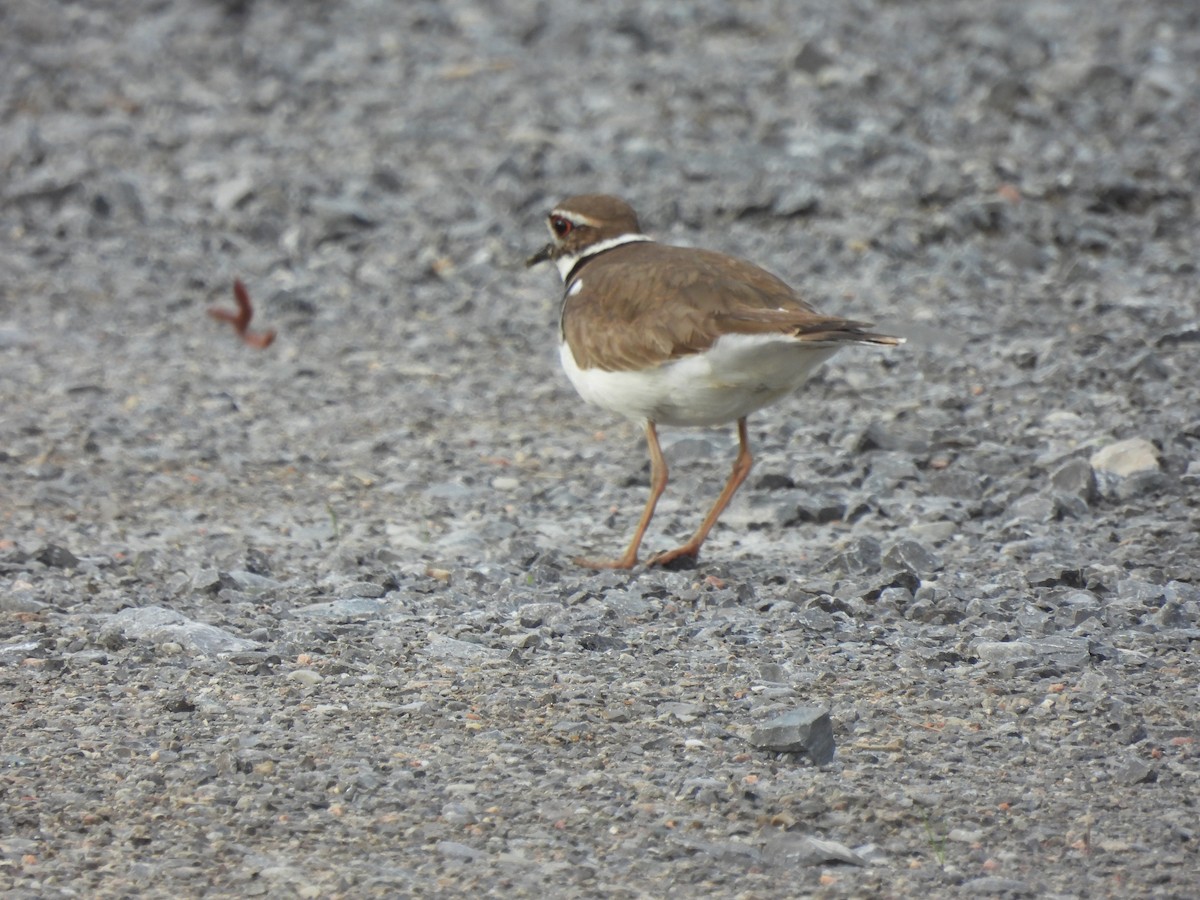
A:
625, 562
685, 557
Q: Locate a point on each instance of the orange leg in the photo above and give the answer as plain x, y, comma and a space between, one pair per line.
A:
741, 468
658, 484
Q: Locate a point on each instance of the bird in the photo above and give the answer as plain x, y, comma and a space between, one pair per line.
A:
678, 336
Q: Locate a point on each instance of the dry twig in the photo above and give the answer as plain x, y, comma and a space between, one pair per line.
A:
240, 320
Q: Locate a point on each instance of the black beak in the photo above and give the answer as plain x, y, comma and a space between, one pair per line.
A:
541, 256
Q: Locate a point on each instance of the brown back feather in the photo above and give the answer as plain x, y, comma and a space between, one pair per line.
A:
618, 321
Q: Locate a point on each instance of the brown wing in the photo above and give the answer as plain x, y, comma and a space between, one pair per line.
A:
645, 303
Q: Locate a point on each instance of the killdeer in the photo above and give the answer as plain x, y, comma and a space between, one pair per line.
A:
676, 336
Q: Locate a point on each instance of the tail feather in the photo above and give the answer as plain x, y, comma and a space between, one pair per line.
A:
804, 325
849, 335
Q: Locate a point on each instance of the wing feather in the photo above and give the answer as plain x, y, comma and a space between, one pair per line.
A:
644, 304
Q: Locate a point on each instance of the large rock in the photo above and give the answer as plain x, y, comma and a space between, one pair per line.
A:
160, 625
806, 729
1127, 468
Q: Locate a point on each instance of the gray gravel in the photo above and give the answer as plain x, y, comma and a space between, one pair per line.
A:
302, 621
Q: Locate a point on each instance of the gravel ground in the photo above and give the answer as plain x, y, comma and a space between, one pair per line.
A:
302, 621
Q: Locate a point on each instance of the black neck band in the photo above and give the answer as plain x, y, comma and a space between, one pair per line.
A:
583, 260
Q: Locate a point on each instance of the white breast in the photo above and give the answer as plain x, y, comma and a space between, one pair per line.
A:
739, 374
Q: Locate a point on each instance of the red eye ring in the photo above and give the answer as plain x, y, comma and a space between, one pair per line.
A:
561, 225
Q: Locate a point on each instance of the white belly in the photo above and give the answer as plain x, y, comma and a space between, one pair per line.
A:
736, 376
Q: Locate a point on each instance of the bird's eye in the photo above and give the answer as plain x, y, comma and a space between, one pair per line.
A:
561, 226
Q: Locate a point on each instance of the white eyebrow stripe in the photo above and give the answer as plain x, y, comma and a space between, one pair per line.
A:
572, 217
